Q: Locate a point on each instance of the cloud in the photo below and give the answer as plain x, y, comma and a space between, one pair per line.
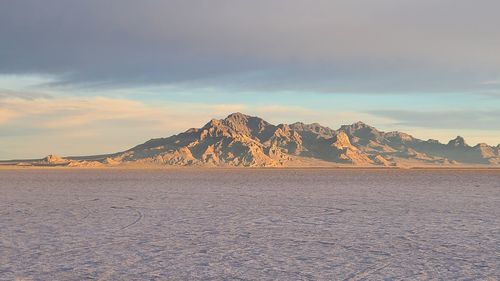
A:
92, 125
491, 82
6, 115
70, 125
80, 114
322, 45
6, 93
444, 119
60, 113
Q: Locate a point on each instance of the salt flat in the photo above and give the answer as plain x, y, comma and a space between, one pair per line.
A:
249, 224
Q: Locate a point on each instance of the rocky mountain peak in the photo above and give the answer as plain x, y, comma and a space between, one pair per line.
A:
362, 133
212, 123
482, 145
284, 128
237, 117
240, 121
243, 140
358, 126
240, 124
314, 128
433, 141
399, 137
457, 142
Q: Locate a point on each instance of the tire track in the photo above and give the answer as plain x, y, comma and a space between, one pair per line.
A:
139, 218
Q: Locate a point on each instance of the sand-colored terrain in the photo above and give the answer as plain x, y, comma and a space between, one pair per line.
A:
249, 224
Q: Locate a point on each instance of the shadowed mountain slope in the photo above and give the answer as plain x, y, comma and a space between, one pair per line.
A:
242, 140
248, 141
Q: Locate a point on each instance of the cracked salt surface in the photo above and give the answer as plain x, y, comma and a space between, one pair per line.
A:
249, 225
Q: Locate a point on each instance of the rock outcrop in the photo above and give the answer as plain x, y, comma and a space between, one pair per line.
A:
54, 160
242, 140
248, 141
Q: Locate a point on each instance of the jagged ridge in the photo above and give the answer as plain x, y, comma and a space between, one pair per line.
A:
242, 140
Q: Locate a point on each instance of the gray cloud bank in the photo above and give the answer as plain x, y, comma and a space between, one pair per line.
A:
321, 45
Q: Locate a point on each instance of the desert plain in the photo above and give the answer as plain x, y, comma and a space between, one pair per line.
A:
249, 224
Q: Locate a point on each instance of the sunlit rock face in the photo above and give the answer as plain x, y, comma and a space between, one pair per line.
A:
240, 140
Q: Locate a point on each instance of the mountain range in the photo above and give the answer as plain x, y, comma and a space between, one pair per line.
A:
246, 141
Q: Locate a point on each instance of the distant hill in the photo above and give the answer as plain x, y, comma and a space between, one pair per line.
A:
248, 141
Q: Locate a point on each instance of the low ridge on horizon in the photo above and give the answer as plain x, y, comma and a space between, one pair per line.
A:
241, 140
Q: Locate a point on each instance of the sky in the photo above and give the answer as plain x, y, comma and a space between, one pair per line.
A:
100, 76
